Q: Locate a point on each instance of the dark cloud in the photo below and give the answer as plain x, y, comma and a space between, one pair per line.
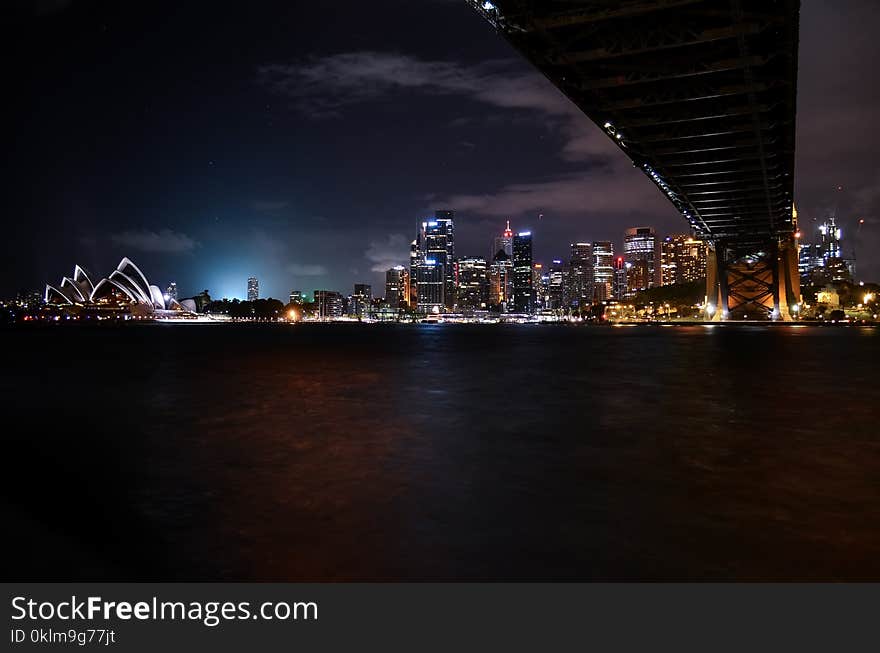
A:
164, 241
385, 254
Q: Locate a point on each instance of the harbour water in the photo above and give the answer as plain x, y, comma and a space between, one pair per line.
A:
441, 452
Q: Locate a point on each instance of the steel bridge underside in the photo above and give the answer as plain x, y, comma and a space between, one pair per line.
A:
700, 95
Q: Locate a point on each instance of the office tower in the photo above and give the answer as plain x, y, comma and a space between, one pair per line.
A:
829, 238
603, 269
540, 282
253, 289
171, 291
580, 265
296, 297
504, 243
523, 292
682, 259
501, 283
638, 276
397, 287
556, 285
473, 284
439, 245
431, 286
361, 300
640, 243
329, 304
619, 289
415, 257
809, 262
836, 268
822, 262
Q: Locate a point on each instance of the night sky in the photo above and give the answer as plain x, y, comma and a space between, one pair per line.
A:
302, 142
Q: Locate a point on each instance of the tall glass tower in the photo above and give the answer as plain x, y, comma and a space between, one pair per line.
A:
640, 244
580, 265
439, 246
253, 289
523, 292
603, 269
504, 243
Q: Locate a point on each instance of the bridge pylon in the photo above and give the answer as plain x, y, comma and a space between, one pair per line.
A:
758, 282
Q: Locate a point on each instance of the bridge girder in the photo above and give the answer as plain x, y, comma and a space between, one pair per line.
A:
700, 94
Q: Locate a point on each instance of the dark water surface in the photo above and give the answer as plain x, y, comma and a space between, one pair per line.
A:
351, 452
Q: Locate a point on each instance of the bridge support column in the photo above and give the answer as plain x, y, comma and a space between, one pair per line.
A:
789, 280
760, 283
716, 300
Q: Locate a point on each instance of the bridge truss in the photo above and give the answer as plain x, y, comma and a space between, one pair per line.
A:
700, 95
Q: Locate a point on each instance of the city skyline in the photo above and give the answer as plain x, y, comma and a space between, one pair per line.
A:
668, 259
178, 195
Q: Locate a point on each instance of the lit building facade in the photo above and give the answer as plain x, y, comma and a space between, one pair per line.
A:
329, 304
361, 300
638, 276
253, 289
296, 297
556, 286
415, 257
523, 291
501, 283
580, 275
540, 286
473, 284
640, 244
603, 269
430, 286
682, 259
504, 243
823, 261
439, 246
619, 287
397, 287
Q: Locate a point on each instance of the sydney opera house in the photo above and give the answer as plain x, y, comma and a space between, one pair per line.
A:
124, 289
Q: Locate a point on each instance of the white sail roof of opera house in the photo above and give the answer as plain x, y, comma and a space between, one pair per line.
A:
126, 281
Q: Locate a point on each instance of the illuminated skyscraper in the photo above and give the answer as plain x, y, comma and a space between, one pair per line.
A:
329, 304
296, 297
682, 259
430, 285
361, 300
640, 243
473, 284
619, 287
504, 242
439, 245
253, 289
638, 276
556, 285
580, 288
809, 260
603, 269
501, 283
523, 291
540, 286
415, 257
397, 287
823, 261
